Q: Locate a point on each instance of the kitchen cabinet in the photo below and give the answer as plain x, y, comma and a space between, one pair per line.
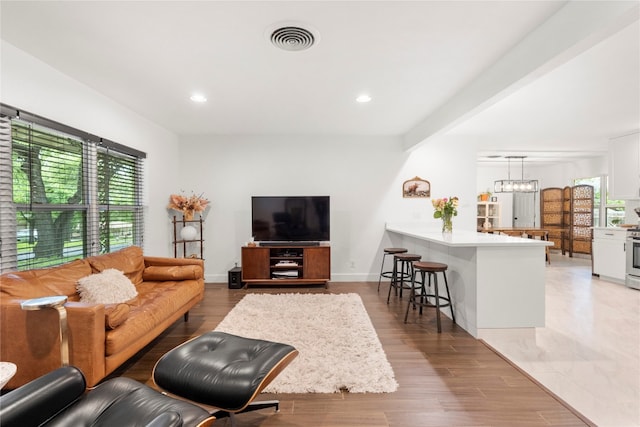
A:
488, 215
624, 167
609, 256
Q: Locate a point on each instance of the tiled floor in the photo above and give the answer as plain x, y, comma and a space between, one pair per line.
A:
588, 353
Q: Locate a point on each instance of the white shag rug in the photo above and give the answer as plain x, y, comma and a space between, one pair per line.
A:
339, 348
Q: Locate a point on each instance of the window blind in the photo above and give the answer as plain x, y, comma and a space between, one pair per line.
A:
119, 199
65, 194
48, 193
8, 249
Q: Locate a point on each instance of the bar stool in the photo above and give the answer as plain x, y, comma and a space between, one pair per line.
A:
388, 274
432, 269
402, 274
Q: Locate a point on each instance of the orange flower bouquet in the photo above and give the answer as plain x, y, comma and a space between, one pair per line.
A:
188, 205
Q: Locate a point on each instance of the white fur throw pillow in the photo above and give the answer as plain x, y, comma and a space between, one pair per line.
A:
110, 286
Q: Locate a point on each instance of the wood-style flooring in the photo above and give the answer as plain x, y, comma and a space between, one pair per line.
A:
447, 379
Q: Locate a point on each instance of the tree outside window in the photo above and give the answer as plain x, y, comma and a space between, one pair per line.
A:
72, 197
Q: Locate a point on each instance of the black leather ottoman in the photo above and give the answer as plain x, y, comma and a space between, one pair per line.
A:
223, 370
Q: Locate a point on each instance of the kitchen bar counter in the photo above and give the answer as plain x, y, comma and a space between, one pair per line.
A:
495, 281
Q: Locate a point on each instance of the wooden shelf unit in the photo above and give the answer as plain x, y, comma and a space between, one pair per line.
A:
488, 215
180, 245
286, 265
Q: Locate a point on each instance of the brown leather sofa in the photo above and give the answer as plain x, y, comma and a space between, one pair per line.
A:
101, 337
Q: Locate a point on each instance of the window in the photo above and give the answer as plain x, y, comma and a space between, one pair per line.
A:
65, 194
118, 200
612, 212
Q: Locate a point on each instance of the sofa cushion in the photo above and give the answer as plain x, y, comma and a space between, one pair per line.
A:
129, 260
59, 280
110, 286
115, 315
156, 302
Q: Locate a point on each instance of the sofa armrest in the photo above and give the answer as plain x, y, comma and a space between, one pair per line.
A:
41, 399
31, 340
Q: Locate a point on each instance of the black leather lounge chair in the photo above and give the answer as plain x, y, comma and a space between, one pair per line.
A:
59, 398
216, 369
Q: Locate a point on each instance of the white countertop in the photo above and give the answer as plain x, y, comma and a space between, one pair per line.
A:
461, 238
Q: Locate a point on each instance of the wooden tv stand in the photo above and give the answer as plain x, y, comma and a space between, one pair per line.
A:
286, 265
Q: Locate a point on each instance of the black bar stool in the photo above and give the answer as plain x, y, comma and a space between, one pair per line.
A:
388, 274
401, 275
419, 290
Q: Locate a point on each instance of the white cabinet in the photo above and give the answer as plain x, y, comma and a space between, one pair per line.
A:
488, 215
609, 257
624, 167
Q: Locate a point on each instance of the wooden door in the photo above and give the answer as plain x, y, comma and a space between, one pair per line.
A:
524, 210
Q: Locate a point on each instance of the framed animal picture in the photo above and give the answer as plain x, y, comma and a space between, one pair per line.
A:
416, 187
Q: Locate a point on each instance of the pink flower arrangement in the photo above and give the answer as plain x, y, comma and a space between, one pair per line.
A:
187, 205
445, 207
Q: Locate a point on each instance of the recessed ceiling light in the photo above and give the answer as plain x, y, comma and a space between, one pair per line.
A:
363, 98
198, 97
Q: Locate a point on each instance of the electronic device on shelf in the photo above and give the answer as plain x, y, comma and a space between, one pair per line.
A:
299, 220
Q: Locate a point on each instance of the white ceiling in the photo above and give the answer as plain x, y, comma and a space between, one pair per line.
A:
421, 61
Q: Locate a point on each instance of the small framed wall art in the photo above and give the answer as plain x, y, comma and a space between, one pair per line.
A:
416, 187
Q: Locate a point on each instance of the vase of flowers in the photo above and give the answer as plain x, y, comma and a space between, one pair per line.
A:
188, 205
446, 209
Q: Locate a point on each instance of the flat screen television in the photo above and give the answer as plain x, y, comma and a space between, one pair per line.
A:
290, 219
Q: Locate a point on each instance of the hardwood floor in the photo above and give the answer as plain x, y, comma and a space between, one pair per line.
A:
448, 379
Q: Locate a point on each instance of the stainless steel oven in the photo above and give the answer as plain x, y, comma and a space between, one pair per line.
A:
633, 259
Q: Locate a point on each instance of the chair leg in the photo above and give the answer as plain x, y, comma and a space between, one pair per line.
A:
412, 296
253, 406
394, 277
423, 291
406, 271
435, 284
384, 256
446, 284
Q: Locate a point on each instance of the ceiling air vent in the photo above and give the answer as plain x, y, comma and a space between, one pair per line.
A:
292, 38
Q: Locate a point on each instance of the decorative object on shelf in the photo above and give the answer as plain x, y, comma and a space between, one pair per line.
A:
416, 187
189, 232
484, 197
188, 205
515, 185
446, 209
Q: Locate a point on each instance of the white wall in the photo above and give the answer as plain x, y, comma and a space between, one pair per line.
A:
363, 176
31, 85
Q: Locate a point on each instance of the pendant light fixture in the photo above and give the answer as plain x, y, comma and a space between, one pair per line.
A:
515, 185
